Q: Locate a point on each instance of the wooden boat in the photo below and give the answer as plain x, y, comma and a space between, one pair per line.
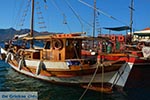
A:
139, 61
136, 55
61, 61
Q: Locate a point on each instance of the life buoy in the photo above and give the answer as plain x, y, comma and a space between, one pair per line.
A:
57, 44
113, 38
121, 38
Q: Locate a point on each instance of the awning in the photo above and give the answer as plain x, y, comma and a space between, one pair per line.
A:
122, 28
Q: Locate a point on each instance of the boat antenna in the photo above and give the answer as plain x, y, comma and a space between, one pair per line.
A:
131, 17
98, 10
32, 24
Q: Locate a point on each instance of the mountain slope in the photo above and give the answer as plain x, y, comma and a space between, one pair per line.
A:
7, 34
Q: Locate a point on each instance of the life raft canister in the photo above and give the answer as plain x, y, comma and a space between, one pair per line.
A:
121, 38
57, 44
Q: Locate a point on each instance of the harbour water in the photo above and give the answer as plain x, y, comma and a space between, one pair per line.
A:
13, 81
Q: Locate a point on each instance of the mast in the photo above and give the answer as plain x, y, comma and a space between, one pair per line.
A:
94, 20
32, 24
131, 17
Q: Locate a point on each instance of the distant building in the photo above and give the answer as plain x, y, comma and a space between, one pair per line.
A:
143, 35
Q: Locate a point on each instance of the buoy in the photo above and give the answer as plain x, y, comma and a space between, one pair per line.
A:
121, 38
20, 64
113, 38
39, 67
8, 57
57, 44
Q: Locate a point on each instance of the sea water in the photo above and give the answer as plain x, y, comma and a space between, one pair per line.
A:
10, 80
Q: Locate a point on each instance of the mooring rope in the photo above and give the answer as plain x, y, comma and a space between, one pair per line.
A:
90, 81
102, 85
119, 74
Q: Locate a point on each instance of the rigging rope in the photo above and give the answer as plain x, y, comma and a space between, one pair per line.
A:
79, 17
102, 85
22, 19
40, 16
63, 14
75, 13
102, 12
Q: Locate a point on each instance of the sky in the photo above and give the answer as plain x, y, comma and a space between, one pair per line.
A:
78, 16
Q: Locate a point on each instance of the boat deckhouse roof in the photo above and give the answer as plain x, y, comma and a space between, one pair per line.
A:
61, 36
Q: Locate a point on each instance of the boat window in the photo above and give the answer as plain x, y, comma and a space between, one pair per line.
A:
47, 46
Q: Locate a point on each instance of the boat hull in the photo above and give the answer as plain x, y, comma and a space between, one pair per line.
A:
62, 73
139, 76
63, 76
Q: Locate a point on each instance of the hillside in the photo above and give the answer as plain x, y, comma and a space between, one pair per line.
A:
7, 34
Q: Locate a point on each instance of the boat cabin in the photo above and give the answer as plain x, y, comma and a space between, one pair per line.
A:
58, 47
